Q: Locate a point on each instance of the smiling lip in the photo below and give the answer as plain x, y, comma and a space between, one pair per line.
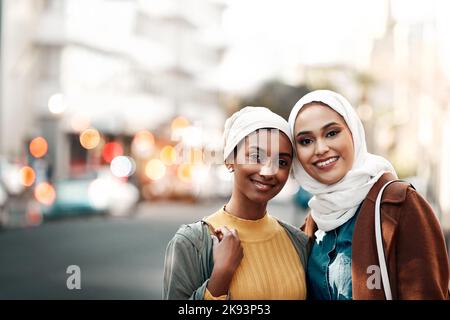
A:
262, 186
327, 163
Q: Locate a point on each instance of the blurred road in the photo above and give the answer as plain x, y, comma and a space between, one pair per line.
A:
119, 258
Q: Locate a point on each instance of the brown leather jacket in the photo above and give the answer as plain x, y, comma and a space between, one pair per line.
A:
414, 244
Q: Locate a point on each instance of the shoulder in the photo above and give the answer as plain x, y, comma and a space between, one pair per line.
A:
396, 192
399, 199
191, 234
415, 204
294, 232
300, 241
402, 194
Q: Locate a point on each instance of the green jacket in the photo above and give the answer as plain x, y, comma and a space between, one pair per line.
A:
189, 259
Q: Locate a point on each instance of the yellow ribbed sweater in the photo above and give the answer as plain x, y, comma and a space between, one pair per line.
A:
271, 268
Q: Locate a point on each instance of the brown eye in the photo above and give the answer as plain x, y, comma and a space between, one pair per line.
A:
283, 163
332, 133
304, 141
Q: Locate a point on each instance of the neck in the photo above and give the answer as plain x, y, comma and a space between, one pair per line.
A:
244, 208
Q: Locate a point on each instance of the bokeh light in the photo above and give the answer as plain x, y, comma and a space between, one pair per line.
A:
143, 144
122, 166
155, 169
56, 103
112, 150
184, 172
38, 147
11, 182
98, 193
45, 193
90, 138
168, 155
179, 123
27, 176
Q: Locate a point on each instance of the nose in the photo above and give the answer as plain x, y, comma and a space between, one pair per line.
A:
268, 168
321, 147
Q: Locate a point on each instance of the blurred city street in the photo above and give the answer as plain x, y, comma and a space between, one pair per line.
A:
112, 116
119, 258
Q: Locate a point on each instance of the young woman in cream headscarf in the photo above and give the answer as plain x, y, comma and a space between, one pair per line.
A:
241, 251
334, 166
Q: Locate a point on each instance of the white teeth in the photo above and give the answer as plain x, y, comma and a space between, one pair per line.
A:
324, 163
262, 186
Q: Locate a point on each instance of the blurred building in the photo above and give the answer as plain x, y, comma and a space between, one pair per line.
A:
410, 104
19, 61
116, 66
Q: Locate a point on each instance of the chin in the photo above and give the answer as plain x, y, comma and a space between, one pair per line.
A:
331, 180
260, 198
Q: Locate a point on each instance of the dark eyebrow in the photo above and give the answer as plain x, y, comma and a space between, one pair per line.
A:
286, 155
324, 127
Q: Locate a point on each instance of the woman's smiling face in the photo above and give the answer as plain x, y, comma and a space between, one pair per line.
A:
324, 143
260, 170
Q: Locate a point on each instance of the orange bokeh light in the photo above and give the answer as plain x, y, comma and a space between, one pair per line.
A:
27, 176
180, 123
184, 172
155, 169
90, 138
45, 193
168, 155
145, 136
112, 150
38, 147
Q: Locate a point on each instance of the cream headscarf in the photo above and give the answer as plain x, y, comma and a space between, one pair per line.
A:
248, 120
333, 205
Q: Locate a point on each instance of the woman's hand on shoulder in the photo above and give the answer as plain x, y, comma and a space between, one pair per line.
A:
228, 253
227, 250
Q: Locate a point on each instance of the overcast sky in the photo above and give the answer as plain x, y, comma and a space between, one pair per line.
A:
270, 37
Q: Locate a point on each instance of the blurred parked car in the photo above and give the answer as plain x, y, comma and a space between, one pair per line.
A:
72, 198
99, 193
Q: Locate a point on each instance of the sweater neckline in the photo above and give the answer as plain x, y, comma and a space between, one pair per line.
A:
248, 230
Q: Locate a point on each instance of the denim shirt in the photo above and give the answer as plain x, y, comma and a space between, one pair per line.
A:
329, 272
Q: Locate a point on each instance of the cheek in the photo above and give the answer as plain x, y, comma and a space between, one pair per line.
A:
302, 156
351, 155
350, 151
243, 172
282, 176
